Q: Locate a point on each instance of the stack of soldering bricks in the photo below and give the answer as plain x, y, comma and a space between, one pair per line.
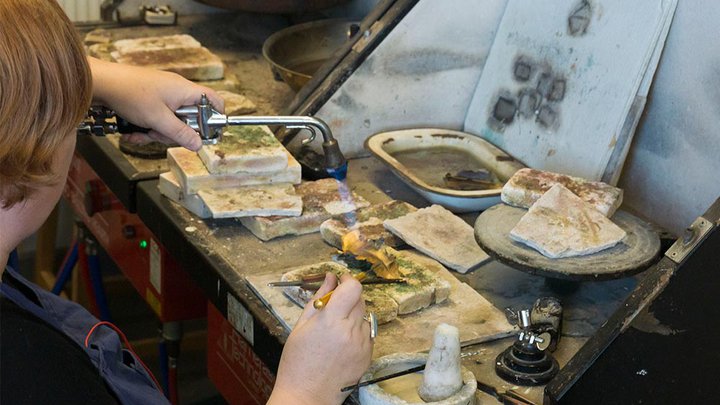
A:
251, 176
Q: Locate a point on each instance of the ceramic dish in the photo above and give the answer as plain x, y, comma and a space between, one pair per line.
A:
421, 157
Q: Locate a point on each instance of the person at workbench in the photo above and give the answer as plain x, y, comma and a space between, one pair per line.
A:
53, 351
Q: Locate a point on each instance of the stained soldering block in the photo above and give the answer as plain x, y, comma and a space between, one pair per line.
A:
245, 149
376, 301
322, 199
369, 222
423, 287
526, 186
193, 176
229, 82
191, 63
441, 235
260, 200
237, 104
170, 188
560, 224
145, 44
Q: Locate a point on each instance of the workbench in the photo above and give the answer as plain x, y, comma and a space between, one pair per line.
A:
220, 254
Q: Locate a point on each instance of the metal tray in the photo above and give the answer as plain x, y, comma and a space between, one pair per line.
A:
386, 146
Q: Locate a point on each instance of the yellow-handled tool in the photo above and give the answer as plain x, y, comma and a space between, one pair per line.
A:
321, 302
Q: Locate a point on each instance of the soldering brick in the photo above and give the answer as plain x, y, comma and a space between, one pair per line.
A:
157, 43
322, 199
260, 200
245, 149
191, 63
193, 176
376, 301
526, 186
170, 188
369, 223
441, 235
237, 104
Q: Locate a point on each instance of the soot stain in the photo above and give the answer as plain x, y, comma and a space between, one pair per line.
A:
579, 18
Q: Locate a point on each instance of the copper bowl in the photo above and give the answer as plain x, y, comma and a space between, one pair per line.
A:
296, 52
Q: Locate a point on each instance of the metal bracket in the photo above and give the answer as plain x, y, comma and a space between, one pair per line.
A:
690, 239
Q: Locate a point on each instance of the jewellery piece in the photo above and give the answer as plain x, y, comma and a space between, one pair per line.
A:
370, 317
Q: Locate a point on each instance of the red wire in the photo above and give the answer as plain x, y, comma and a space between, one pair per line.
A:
127, 344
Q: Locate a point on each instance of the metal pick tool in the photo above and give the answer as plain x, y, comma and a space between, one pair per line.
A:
308, 285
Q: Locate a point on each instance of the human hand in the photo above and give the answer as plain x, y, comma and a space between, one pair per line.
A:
327, 350
148, 98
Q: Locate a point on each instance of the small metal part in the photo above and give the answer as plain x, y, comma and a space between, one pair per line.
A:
543, 341
691, 238
158, 15
524, 318
526, 361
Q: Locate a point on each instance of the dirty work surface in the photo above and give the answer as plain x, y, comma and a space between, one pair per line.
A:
634, 254
465, 308
144, 166
237, 39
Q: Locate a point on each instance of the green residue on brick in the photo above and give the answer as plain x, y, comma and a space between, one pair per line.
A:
241, 139
417, 276
392, 210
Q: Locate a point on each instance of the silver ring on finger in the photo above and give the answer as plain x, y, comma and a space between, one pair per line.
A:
372, 319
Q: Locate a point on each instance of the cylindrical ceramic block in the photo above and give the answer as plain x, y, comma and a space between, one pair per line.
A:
375, 395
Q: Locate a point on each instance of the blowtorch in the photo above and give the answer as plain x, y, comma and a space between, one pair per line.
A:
209, 123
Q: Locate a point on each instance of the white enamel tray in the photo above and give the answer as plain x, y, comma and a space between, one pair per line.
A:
386, 144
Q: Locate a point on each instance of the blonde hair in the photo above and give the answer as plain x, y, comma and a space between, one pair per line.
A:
45, 89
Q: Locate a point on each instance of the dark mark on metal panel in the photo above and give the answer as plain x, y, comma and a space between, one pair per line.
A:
423, 62
545, 84
523, 68
557, 91
504, 110
528, 102
547, 117
579, 19
344, 101
387, 141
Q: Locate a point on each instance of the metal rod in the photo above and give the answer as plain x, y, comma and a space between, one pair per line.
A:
387, 377
304, 284
285, 120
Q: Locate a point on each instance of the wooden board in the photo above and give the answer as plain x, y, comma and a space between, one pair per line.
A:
466, 309
632, 255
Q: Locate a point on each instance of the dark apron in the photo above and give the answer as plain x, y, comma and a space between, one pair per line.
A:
120, 369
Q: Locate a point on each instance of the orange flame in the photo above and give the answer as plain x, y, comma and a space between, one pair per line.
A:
383, 264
